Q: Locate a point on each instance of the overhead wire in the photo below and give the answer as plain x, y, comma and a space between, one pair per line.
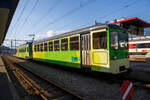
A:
66, 14
114, 11
70, 12
28, 16
19, 17
72, 21
79, 7
46, 14
119, 9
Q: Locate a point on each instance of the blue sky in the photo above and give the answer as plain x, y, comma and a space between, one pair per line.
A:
51, 17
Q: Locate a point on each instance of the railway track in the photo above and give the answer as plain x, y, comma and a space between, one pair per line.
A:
37, 85
137, 82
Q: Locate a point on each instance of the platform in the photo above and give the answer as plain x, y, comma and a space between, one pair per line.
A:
7, 91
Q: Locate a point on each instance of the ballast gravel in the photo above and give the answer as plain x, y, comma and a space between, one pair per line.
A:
89, 88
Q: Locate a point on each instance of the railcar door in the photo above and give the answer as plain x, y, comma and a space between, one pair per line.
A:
86, 50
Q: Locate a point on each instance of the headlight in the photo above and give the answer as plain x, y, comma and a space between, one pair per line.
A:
115, 57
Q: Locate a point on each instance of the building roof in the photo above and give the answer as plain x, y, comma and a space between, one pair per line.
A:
133, 21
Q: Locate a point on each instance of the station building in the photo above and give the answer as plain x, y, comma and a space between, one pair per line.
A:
135, 26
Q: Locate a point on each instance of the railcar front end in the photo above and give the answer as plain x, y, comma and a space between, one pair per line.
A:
107, 51
25, 51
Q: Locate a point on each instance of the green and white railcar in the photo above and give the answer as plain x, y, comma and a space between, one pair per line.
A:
102, 48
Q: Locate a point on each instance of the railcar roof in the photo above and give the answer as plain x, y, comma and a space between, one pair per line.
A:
141, 38
22, 45
81, 31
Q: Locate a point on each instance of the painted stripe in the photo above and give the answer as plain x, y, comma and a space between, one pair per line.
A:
127, 91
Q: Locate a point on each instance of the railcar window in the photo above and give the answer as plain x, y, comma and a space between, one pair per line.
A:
50, 46
56, 45
64, 44
23, 49
35, 48
134, 45
45, 46
38, 47
114, 40
74, 43
100, 40
20, 50
41, 47
144, 45
123, 40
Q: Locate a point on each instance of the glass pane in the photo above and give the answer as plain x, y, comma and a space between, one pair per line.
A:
100, 40
123, 40
35, 48
41, 47
50, 46
64, 44
144, 45
114, 40
38, 47
45, 46
56, 45
74, 43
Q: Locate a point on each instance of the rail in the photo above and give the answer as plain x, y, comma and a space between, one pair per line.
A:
37, 85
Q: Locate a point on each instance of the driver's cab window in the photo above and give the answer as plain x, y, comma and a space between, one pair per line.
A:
100, 40
114, 40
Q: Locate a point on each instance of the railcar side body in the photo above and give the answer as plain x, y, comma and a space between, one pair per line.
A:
139, 47
102, 48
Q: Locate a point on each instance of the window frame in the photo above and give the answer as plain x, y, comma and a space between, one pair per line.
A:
92, 40
55, 49
52, 45
78, 43
41, 47
117, 40
64, 44
35, 48
38, 47
45, 48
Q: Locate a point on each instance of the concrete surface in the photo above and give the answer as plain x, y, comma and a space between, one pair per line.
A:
7, 90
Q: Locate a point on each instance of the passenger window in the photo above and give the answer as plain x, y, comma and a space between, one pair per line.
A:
35, 48
38, 47
74, 43
100, 40
50, 46
45, 46
41, 47
64, 44
56, 45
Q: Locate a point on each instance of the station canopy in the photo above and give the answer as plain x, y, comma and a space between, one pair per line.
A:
134, 25
7, 9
